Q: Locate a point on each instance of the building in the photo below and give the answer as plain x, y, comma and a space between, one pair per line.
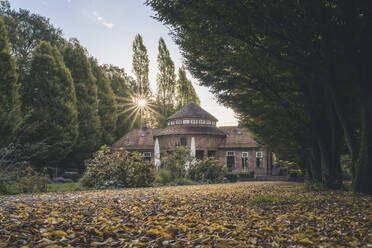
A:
194, 127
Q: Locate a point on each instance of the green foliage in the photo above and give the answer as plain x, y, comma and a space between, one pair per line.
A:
163, 177
176, 162
207, 171
140, 65
10, 104
185, 90
107, 110
235, 176
166, 83
75, 57
113, 169
51, 95
21, 179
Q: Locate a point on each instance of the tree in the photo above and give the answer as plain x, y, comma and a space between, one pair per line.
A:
107, 109
10, 103
53, 103
141, 67
87, 102
26, 31
185, 90
166, 82
317, 50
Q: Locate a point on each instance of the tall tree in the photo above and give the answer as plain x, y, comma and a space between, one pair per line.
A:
26, 31
107, 109
76, 60
140, 65
185, 90
53, 103
166, 81
10, 104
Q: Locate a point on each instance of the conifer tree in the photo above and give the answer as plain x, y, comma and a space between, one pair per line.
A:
141, 67
166, 80
185, 90
87, 102
107, 109
10, 104
53, 105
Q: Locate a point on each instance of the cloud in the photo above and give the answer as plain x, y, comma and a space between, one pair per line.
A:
102, 20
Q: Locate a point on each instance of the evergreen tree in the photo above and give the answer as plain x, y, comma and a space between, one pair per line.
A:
141, 67
10, 103
185, 90
53, 105
87, 102
166, 82
107, 110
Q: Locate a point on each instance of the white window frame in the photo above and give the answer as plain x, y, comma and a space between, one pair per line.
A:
230, 154
146, 153
208, 122
194, 121
178, 122
213, 123
244, 154
201, 121
259, 154
169, 123
173, 122
186, 122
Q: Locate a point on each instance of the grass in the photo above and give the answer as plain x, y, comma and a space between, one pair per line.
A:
61, 187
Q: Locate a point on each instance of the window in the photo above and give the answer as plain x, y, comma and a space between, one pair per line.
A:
211, 154
230, 160
169, 123
178, 122
183, 141
173, 122
147, 156
208, 122
199, 154
213, 123
201, 121
245, 160
194, 121
186, 121
259, 156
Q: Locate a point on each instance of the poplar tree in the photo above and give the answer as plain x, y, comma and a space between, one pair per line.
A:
10, 104
53, 104
185, 90
166, 81
107, 109
140, 65
87, 101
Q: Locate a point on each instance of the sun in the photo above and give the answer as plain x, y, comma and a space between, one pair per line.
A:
141, 102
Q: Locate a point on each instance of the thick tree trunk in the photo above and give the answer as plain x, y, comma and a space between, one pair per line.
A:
362, 181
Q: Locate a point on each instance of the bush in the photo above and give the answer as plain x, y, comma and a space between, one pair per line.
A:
176, 162
163, 177
112, 169
232, 177
207, 171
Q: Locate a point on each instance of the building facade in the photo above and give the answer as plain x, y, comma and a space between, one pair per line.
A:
195, 128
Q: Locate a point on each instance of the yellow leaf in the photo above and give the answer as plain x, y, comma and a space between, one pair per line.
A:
306, 241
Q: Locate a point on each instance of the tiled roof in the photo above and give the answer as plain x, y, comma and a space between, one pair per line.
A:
237, 137
192, 110
137, 139
188, 129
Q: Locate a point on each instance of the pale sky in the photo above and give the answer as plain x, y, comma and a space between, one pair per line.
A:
107, 29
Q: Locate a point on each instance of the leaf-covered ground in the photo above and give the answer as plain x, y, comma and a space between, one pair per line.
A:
266, 214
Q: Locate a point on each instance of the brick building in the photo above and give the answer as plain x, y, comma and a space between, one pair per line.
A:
194, 127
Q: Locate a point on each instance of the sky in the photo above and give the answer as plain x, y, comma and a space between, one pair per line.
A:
107, 29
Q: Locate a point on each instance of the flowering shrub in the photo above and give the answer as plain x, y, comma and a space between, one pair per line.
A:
207, 171
113, 169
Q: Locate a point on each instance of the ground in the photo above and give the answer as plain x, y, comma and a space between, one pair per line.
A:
251, 214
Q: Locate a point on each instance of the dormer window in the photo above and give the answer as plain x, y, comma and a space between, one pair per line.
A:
201, 121
178, 122
194, 121
186, 121
173, 122
208, 122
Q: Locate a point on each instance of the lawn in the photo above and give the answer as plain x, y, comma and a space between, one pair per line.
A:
249, 214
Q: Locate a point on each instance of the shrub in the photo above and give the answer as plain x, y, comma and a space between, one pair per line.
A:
240, 176
176, 162
232, 177
163, 177
113, 169
207, 171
